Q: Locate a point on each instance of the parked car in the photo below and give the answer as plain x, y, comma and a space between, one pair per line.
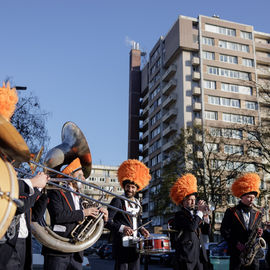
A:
105, 251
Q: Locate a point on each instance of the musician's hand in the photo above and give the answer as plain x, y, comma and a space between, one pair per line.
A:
240, 246
105, 212
202, 206
260, 232
40, 180
92, 211
144, 232
127, 231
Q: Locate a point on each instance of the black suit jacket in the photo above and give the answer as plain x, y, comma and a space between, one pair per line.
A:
7, 248
189, 246
115, 220
62, 212
233, 228
266, 236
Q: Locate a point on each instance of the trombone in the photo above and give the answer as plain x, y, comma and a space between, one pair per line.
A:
70, 178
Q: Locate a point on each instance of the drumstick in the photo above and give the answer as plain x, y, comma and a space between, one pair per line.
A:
143, 225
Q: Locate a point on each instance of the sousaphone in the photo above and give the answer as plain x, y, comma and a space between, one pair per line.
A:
74, 145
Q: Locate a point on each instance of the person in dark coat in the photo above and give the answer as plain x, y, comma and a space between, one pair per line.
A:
133, 176
190, 252
240, 221
66, 212
16, 251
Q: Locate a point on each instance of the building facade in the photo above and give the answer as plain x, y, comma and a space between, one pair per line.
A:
205, 71
104, 177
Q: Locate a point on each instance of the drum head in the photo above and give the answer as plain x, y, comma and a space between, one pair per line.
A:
8, 183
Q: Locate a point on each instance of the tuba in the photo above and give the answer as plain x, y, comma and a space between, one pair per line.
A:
74, 145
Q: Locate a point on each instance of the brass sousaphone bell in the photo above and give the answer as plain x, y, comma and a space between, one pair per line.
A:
74, 145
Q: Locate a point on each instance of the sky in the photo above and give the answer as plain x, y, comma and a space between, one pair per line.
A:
74, 56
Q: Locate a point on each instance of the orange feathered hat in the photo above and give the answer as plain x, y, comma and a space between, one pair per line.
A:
249, 182
135, 171
184, 186
8, 101
12, 143
73, 166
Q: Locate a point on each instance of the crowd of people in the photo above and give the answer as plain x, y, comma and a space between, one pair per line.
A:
240, 226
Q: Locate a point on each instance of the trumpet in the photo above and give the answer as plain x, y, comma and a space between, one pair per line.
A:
208, 208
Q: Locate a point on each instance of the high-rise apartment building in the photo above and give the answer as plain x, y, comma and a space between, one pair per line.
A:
204, 71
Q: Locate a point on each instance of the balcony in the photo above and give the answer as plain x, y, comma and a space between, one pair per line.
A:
145, 147
169, 87
145, 99
198, 138
145, 160
144, 124
197, 122
145, 111
199, 154
197, 106
263, 47
195, 61
170, 129
262, 60
196, 76
168, 145
145, 135
263, 72
169, 73
169, 100
170, 114
166, 161
196, 91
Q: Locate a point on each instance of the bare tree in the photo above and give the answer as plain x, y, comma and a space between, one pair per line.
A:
30, 121
201, 152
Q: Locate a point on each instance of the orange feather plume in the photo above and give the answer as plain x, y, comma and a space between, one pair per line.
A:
135, 171
249, 182
184, 186
8, 101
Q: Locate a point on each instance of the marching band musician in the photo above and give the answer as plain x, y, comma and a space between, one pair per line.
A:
240, 221
66, 212
133, 176
16, 245
190, 253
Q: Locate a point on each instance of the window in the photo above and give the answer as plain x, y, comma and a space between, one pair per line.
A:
228, 73
233, 46
155, 118
245, 90
213, 100
208, 41
247, 62
219, 217
245, 35
253, 136
211, 147
210, 115
208, 55
155, 105
215, 132
233, 149
220, 30
228, 59
232, 133
209, 84
156, 145
236, 118
254, 152
155, 132
250, 105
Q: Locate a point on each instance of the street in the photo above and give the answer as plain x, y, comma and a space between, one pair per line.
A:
108, 264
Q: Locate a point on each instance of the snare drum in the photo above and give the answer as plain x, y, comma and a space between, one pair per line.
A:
157, 244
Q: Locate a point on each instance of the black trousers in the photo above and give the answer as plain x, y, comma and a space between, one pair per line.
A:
17, 259
135, 265
61, 263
